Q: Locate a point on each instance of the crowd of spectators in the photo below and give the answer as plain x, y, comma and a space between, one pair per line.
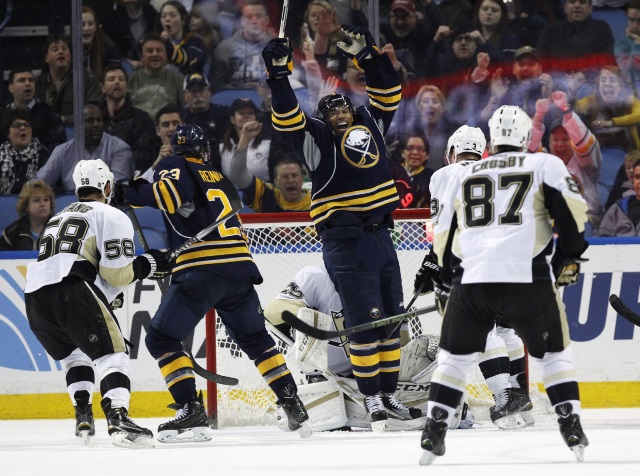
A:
151, 65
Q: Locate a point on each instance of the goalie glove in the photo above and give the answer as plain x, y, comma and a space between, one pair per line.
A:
428, 272
362, 45
154, 264
278, 58
441, 292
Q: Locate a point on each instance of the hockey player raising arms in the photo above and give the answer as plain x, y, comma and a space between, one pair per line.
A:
494, 231
353, 195
86, 259
219, 273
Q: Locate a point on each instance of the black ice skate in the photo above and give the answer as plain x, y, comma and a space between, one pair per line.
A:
377, 413
291, 407
85, 425
396, 409
432, 441
506, 414
571, 430
123, 430
190, 424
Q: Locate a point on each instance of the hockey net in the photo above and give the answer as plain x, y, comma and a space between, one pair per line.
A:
281, 245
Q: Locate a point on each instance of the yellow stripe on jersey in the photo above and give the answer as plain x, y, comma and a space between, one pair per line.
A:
271, 363
389, 355
166, 195
289, 121
366, 374
385, 99
212, 253
365, 360
179, 363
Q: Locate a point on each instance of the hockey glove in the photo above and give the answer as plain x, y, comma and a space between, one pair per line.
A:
426, 274
361, 47
117, 302
277, 57
441, 292
566, 270
154, 264
119, 198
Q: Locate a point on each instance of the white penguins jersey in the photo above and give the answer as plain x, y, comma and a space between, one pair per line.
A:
91, 240
497, 209
313, 286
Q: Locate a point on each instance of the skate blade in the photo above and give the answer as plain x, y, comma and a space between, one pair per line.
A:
199, 434
427, 458
124, 440
304, 431
85, 436
378, 426
511, 422
578, 450
528, 419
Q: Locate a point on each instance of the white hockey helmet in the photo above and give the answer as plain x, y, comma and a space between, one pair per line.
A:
466, 139
510, 126
93, 174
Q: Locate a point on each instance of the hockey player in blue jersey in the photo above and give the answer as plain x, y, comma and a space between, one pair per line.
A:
218, 272
353, 196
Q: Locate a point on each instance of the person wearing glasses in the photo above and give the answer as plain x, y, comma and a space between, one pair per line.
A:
22, 154
414, 156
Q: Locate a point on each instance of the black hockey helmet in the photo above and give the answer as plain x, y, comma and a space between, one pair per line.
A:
189, 140
334, 101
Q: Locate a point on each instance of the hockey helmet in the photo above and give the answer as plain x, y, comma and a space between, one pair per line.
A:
93, 174
510, 126
334, 101
189, 140
467, 140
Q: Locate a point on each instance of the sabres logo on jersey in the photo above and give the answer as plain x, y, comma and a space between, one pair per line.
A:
359, 147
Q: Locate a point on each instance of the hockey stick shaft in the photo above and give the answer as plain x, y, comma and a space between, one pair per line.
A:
622, 309
283, 18
413, 300
197, 368
321, 334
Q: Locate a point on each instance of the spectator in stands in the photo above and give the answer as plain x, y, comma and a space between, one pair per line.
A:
58, 171
623, 183
244, 140
576, 145
237, 61
627, 48
579, 36
409, 34
54, 86
324, 33
185, 49
623, 217
128, 22
529, 17
613, 113
491, 18
210, 36
167, 121
122, 120
36, 204
98, 49
415, 154
21, 155
155, 86
198, 109
453, 11
45, 122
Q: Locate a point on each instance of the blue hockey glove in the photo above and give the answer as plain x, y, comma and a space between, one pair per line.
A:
278, 58
361, 47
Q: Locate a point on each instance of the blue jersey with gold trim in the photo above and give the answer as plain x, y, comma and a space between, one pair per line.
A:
350, 172
191, 195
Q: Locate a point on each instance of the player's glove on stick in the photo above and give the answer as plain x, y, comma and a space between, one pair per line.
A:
362, 45
119, 198
278, 58
441, 292
154, 264
427, 273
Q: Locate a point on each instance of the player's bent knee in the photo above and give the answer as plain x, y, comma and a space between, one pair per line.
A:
159, 344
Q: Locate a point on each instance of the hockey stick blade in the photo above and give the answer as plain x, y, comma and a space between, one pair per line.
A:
210, 376
622, 309
321, 334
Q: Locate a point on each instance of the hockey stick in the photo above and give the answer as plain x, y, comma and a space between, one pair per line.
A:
413, 300
197, 368
321, 334
283, 18
622, 309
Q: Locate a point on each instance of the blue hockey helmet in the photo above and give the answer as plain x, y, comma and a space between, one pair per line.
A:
189, 140
334, 101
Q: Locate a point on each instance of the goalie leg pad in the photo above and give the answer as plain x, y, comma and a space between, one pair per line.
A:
310, 352
325, 406
417, 356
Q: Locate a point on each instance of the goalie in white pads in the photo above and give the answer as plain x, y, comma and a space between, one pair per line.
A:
86, 259
313, 298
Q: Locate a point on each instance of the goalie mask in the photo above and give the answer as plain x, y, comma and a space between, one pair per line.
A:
334, 101
466, 140
189, 141
93, 174
510, 126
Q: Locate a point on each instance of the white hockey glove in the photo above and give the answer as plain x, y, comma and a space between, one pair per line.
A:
362, 45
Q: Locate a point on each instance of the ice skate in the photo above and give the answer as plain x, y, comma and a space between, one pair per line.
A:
123, 430
291, 407
377, 413
396, 409
432, 440
526, 402
506, 414
571, 430
85, 425
190, 424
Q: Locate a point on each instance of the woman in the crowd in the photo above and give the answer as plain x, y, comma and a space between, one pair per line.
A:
185, 50
491, 18
414, 154
98, 49
36, 204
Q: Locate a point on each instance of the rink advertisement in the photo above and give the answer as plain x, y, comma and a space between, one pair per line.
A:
605, 345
